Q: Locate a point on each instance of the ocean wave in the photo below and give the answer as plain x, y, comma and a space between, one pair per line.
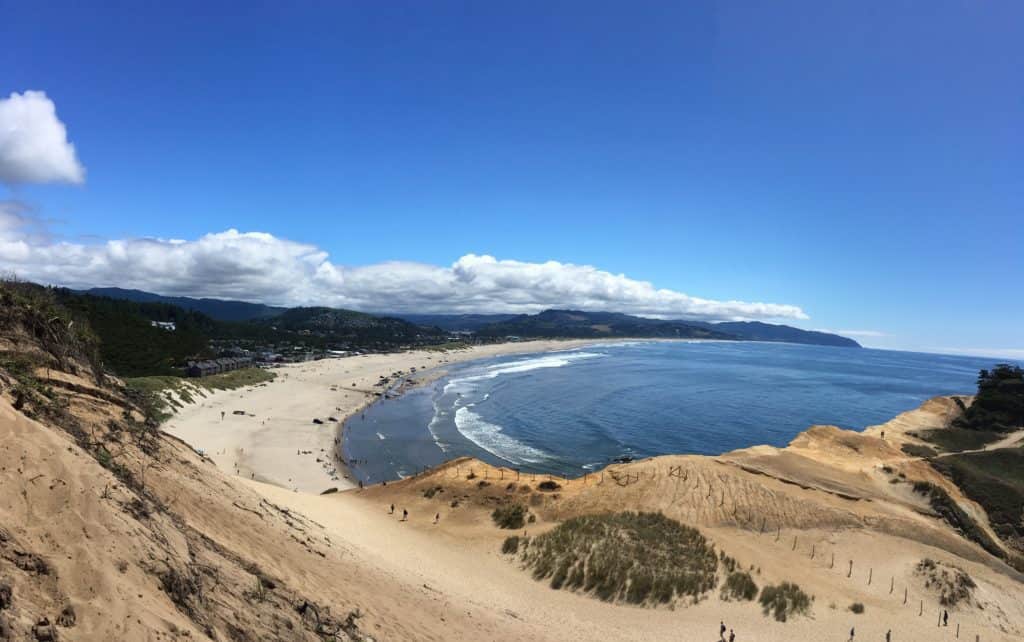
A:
550, 360
491, 438
435, 421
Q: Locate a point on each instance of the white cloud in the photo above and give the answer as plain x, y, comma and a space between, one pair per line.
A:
867, 334
34, 146
256, 266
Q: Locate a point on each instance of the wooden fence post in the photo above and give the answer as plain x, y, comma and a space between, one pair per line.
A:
850, 572
871, 573
832, 564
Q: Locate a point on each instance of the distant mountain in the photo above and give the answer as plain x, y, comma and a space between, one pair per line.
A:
578, 324
220, 309
451, 322
758, 331
575, 323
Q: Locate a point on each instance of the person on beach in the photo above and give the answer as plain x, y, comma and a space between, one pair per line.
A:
945, 617
851, 634
732, 636
405, 515
888, 636
222, 415
437, 517
391, 511
721, 631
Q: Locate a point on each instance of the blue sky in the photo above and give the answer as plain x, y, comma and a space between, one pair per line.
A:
862, 162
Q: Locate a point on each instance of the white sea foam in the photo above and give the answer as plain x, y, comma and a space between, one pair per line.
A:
491, 438
487, 435
551, 360
435, 421
380, 436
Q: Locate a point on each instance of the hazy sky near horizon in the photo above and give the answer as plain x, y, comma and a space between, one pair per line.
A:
854, 167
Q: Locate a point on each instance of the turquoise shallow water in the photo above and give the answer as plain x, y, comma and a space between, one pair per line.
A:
577, 410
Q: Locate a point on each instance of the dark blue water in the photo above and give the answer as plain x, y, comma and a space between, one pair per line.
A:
572, 411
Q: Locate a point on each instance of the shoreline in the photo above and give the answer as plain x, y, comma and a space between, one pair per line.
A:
269, 433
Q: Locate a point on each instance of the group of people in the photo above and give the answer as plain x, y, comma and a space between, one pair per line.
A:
405, 514
721, 634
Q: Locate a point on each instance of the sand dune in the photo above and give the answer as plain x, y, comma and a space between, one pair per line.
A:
141, 538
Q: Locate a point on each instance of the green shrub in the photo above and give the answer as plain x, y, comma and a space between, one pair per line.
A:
916, 450
510, 545
784, 600
509, 516
739, 585
640, 558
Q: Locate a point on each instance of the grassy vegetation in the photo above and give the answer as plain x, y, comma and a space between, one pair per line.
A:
784, 600
444, 347
954, 440
995, 480
511, 545
149, 391
509, 516
951, 583
916, 450
956, 517
739, 585
640, 558
857, 608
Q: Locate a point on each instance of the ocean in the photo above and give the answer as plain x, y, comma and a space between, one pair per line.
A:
578, 410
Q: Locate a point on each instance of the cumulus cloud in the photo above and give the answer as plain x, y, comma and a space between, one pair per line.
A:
34, 146
256, 266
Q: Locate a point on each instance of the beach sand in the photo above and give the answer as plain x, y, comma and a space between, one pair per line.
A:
276, 440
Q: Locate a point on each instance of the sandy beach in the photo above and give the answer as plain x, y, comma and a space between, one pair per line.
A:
275, 439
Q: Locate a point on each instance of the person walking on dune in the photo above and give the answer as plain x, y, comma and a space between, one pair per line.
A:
945, 617
852, 633
405, 515
721, 631
391, 511
732, 636
437, 517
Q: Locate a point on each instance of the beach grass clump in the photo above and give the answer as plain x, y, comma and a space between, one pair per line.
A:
509, 516
951, 583
857, 608
548, 485
739, 585
784, 600
511, 545
433, 490
639, 558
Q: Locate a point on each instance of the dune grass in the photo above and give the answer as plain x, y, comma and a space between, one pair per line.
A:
639, 558
739, 585
955, 440
784, 600
511, 516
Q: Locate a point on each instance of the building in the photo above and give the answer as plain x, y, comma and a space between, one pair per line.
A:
164, 325
216, 366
